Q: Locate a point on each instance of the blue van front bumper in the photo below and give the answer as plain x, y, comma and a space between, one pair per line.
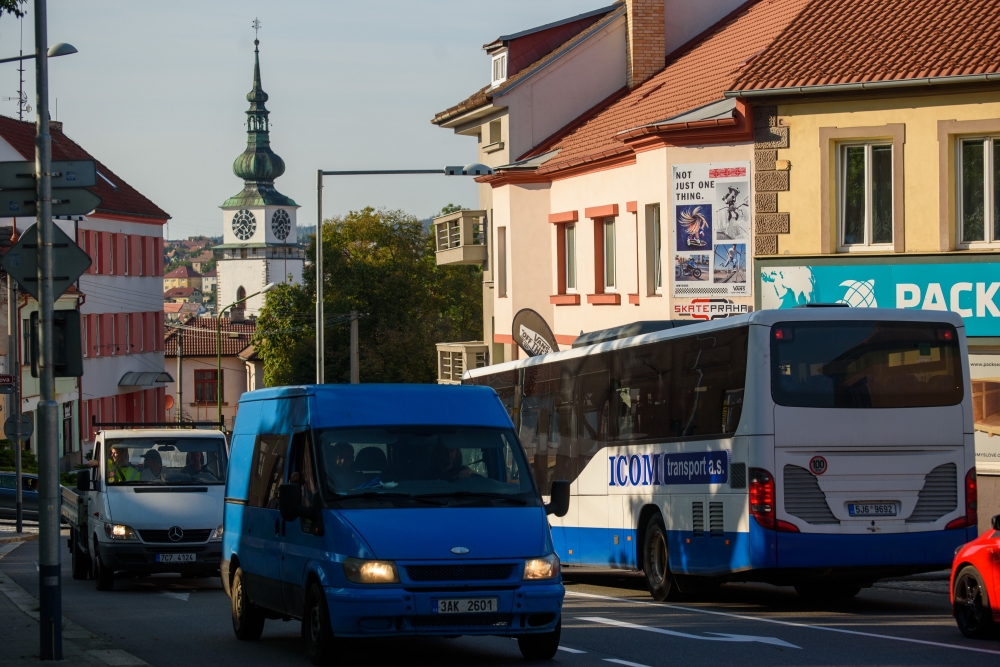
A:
526, 609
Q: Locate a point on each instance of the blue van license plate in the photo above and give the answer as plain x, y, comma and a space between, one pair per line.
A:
465, 605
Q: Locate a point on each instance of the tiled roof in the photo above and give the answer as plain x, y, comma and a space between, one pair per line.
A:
183, 271
696, 74
854, 41
201, 339
179, 292
485, 95
118, 197
209, 274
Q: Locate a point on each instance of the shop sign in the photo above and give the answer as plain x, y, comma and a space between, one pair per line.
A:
709, 309
710, 228
970, 289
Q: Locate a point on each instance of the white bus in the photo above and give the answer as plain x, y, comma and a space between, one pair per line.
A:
819, 447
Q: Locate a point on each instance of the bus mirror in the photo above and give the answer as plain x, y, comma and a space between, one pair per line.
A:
288, 501
559, 498
83, 480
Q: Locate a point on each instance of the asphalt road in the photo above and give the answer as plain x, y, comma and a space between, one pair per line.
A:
608, 619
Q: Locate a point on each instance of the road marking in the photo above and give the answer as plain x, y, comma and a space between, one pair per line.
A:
786, 623
624, 662
721, 637
570, 650
176, 596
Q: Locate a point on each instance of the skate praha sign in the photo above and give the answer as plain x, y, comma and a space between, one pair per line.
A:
708, 224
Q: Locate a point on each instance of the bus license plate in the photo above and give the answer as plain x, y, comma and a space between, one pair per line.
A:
872, 509
176, 558
465, 605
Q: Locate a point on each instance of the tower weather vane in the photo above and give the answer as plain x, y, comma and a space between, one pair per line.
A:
256, 27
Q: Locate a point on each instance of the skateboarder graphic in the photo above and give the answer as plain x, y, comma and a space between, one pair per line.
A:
695, 227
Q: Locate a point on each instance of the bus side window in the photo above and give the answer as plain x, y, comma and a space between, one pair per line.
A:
594, 409
642, 392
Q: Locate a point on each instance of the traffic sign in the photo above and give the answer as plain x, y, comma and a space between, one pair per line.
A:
27, 427
65, 174
69, 261
7, 385
65, 201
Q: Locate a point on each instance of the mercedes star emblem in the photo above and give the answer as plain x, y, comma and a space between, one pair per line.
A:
175, 534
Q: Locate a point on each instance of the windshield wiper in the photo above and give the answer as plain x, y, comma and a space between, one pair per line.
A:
475, 494
391, 494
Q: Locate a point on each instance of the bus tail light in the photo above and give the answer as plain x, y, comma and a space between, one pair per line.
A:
971, 517
762, 497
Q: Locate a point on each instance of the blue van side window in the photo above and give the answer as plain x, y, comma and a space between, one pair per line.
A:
268, 470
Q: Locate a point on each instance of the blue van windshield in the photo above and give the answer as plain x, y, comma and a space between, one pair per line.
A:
425, 465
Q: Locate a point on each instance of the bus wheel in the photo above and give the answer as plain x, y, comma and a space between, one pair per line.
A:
659, 579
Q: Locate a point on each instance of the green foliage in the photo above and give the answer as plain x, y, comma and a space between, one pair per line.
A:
12, 7
450, 208
381, 264
29, 462
177, 263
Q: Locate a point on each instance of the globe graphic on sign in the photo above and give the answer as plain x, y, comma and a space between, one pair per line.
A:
860, 294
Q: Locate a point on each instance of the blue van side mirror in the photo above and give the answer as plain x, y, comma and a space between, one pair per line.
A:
995, 522
559, 498
288, 501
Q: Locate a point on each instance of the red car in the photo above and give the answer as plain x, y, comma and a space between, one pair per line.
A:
975, 584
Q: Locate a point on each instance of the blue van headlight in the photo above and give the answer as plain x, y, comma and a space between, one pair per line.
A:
546, 567
361, 571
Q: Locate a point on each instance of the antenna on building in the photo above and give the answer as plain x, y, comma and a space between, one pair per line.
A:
22, 100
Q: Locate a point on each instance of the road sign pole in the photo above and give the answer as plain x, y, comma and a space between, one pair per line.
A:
49, 576
14, 404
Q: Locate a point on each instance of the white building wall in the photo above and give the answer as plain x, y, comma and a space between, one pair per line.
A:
250, 273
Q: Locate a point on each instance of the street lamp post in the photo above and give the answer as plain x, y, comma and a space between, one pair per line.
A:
218, 330
474, 169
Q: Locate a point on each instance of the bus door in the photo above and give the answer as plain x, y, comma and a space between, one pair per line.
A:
593, 407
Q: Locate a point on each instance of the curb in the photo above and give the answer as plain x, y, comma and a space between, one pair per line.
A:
23, 537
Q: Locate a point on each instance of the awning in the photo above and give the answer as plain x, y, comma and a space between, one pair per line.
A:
140, 379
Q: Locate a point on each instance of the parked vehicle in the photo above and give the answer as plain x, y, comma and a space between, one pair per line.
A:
8, 496
153, 504
823, 448
975, 584
386, 510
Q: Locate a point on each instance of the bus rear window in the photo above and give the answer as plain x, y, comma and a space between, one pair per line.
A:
865, 365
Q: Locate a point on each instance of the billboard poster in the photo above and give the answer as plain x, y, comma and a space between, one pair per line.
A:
710, 220
984, 371
709, 308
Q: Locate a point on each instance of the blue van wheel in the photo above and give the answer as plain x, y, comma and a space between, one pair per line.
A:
540, 647
248, 619
316, 630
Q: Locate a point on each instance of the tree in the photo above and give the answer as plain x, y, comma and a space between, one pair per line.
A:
12, 7
381, 264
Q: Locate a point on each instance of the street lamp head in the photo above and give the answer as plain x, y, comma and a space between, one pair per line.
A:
61, 49
476, 169
268, 287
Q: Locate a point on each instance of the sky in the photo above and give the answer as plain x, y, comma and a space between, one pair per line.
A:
158, 91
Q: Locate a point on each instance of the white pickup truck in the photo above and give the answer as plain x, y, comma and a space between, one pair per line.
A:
152, 502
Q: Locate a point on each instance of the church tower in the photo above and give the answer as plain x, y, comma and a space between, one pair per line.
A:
260, 237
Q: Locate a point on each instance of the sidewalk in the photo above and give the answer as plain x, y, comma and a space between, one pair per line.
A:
19, 631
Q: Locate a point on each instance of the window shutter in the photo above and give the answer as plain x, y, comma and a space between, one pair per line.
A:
136, 340
107, 335
119, 255
148, 341
120, 342
108, 409
161, 399
106, 254
121, 408
93, 410
157, 256
135, 267
158, 329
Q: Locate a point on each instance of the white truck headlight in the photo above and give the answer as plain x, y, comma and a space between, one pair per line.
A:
361, 571
117, 531
546, 567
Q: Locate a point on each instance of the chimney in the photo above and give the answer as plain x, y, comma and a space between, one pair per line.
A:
646, 45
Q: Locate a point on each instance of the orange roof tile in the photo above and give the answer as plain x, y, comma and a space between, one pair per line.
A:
854, 41
696, 74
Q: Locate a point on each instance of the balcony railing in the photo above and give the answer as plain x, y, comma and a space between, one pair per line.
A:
456, 358
460, 238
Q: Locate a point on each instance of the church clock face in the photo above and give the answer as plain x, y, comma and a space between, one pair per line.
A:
244, 224
281, 224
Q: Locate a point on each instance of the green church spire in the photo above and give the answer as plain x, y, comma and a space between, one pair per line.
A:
258, 165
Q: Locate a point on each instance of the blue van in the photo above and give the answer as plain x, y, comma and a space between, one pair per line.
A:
388, 510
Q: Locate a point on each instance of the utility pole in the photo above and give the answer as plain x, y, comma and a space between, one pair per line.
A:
180, 383
49, 575
14, 404
355, 357
320, 352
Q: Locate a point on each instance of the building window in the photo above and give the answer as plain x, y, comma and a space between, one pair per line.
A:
501, 262
654, 250
865, 195
495, 131
206, 384
128, 333
979, 196
570, 232
499, 68
609, 253
67, 428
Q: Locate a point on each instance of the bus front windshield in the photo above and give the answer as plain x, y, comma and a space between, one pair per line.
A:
865, 364
425, 465
144, 461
